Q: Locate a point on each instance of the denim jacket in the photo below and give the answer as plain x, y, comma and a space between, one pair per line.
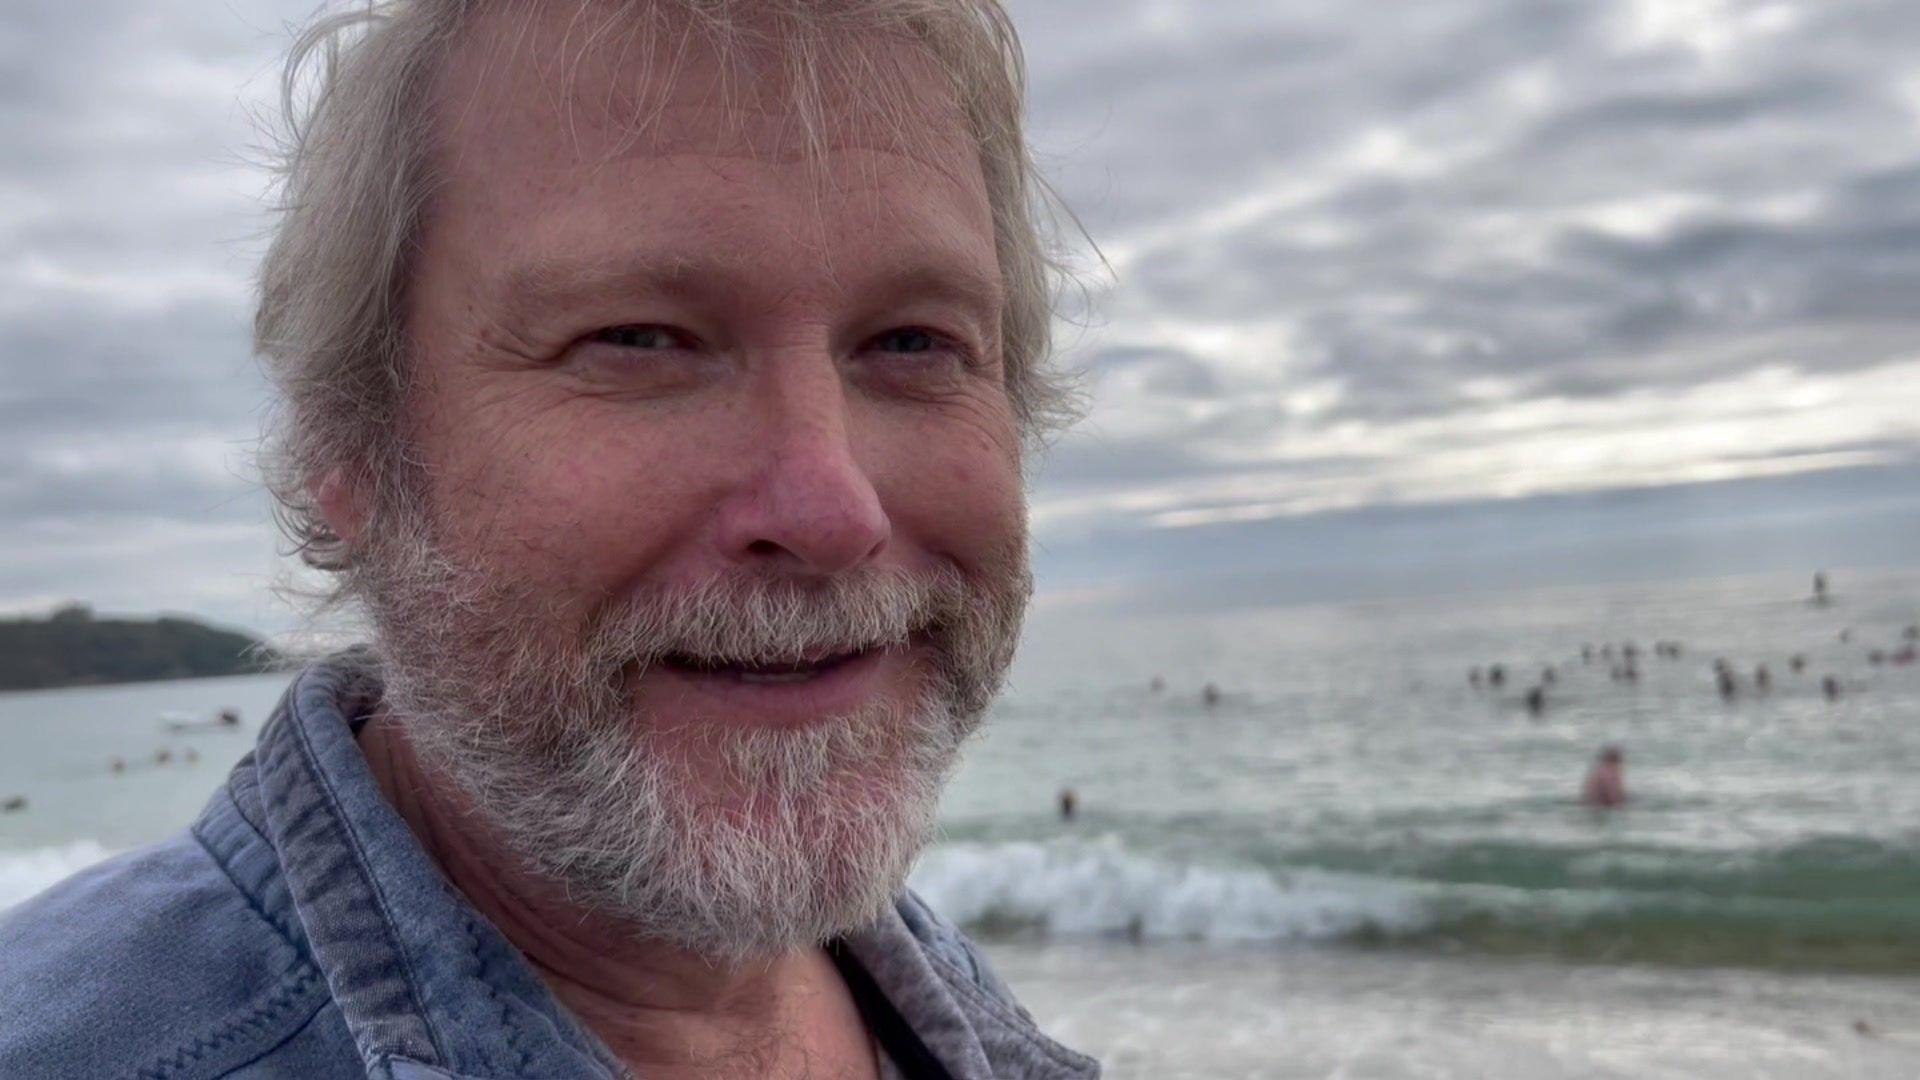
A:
298, 930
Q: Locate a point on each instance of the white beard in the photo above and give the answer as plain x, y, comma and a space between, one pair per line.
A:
740, 841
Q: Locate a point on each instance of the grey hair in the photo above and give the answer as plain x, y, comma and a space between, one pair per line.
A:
356, 180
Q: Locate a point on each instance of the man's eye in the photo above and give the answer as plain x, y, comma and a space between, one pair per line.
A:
908, 339
643, 336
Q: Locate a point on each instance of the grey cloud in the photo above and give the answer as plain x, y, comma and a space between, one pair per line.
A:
84, 372
129, 499
127, 224
1168, 373
1674, 113
1493, 234
1411, 300
1094, 461
1156, 120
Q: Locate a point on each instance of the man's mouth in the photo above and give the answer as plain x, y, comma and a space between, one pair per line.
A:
781, 671
785, 688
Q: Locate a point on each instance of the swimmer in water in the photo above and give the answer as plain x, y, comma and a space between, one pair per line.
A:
1606, 787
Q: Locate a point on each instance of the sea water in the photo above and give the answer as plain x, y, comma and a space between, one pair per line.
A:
1354, 862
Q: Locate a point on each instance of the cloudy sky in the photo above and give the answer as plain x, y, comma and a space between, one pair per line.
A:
1495, 290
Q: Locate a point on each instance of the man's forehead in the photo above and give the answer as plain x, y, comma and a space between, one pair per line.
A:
595, 80
566, 158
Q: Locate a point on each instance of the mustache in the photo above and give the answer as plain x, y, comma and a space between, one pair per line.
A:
757, 620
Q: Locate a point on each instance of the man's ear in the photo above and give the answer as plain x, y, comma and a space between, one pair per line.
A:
340, 503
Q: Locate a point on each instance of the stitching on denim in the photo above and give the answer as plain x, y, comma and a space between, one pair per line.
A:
191, 1053
281, 927
319, 1011
325, 783
246, 776
509, 1023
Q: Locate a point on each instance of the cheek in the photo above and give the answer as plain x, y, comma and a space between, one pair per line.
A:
556, 493
958, 493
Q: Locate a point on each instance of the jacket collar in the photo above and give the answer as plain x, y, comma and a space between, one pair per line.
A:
419, 976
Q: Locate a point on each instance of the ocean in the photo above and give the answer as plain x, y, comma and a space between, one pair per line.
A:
1353, 862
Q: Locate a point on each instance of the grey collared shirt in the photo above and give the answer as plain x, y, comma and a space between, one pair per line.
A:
297, 929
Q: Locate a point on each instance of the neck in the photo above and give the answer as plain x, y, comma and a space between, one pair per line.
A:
661, 1008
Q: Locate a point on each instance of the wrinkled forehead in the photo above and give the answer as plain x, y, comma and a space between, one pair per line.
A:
585, 83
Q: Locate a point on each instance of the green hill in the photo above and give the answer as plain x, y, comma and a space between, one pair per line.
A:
72, 648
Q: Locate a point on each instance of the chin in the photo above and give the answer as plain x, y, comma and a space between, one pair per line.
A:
732, 841
776, 872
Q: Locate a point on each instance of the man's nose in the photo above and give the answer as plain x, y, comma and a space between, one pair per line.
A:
810, 507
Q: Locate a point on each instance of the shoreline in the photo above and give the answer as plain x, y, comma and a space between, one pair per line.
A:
1316, 1011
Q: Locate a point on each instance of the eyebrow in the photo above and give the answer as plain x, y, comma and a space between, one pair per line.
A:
534, 287
954, 281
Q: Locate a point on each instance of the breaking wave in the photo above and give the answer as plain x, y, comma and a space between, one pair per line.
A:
1102, 888
24, 873
1842, 905
1839, 904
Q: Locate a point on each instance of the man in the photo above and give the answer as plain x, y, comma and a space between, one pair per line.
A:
657, 377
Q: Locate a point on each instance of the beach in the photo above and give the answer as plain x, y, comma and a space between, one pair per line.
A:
1354, 861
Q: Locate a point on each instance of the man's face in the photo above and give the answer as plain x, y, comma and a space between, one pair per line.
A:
651, 361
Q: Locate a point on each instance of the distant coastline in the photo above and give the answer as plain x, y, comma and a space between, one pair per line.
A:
71, 647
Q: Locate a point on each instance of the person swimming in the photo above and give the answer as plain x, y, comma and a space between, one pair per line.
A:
1724, 678
1606, 787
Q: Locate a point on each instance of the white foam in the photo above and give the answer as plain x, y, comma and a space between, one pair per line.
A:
24, 873
1100, 887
